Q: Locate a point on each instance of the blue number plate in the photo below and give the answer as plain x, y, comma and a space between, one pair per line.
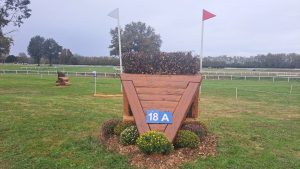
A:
158, 117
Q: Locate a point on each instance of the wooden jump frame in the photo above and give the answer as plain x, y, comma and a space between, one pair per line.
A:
175, 93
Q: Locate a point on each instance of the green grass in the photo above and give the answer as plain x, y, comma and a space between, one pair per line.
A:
66, 68
45, 126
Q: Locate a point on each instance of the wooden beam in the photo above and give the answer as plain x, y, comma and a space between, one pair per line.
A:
136, 108
159, 78
181, 111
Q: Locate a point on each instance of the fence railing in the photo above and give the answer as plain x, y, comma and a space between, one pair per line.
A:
253, 73
209, 76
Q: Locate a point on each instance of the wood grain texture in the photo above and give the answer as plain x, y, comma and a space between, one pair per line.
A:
159, 97
181, 110
160, 84
136, 107
159, 104
162, 91
195, 105
179, 78
174, 93
125, 104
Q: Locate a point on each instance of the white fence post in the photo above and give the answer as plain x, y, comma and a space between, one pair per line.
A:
273, 79
291, 89
288, 79
236, 94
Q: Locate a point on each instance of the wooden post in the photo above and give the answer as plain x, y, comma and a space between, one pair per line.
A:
195, 105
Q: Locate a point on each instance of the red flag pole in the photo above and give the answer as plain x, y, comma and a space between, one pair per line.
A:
201, 51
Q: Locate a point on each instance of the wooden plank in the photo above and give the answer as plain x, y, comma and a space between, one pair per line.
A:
161, 107
195, 105
158, 104
158, 127
125, 104
159, 97
128, 118
136, 108
171, 109
160, 84
175, 78
162, 91
181, 110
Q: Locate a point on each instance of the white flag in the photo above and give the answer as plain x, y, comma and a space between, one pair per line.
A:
114, 13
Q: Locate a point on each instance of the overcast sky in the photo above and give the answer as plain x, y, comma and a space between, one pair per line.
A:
241, 27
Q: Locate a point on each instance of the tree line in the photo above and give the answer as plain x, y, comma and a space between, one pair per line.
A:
281, 60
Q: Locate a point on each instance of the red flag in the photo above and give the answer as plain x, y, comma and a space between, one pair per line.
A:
207, 15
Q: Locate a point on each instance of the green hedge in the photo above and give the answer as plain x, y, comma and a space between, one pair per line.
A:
154, 142
160, 63
186, 138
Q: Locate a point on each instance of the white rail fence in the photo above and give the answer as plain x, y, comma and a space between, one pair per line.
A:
209, 76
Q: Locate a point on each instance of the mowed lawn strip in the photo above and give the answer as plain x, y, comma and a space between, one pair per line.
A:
45, 126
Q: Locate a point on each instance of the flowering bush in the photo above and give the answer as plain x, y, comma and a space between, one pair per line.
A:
197, 127
120, 127
186, 138
154, 142
129, 136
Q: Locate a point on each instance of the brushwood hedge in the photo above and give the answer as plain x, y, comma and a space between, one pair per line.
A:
176, 63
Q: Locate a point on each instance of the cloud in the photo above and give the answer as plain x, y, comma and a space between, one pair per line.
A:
240, 28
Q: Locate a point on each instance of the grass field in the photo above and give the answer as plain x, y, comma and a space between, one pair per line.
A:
66, 68
44, 126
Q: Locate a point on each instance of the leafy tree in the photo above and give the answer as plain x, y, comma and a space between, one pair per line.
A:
51, 50
35, 48
136, 37
65, 56
11, 59
4, 46
11, 12
22, 58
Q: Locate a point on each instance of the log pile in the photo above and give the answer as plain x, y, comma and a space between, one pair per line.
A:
62, 80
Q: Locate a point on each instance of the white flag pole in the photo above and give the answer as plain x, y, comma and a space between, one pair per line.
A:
201, 51
115, 14
120, 47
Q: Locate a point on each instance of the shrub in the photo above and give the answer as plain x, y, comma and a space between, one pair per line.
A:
186, 138
120, 127
160, 63
107, 128
197, 127
129, 136
154, 142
